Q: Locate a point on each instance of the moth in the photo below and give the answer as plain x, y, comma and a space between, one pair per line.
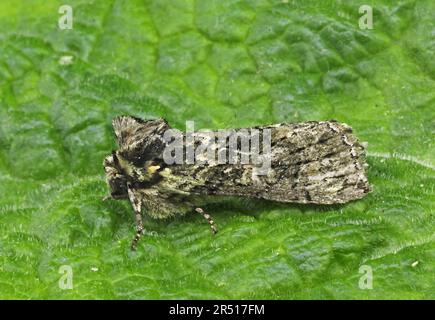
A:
311, 162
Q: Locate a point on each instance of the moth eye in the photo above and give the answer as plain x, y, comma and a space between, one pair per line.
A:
118, 185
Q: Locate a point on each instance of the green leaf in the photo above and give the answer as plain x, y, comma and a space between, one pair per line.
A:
223, 64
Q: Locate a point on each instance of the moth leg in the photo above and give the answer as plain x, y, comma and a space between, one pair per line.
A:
137, 206
209, 219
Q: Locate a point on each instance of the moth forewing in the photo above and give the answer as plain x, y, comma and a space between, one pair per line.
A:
313, 162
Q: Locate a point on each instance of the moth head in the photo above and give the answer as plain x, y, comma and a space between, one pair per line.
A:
115, 177
140, 143
140, 140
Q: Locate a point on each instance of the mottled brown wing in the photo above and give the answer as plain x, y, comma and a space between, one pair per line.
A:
311, 162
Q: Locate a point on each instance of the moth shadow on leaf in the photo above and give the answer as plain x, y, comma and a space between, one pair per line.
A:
227, 207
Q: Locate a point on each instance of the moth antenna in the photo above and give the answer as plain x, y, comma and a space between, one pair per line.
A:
137, 206
209, 219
